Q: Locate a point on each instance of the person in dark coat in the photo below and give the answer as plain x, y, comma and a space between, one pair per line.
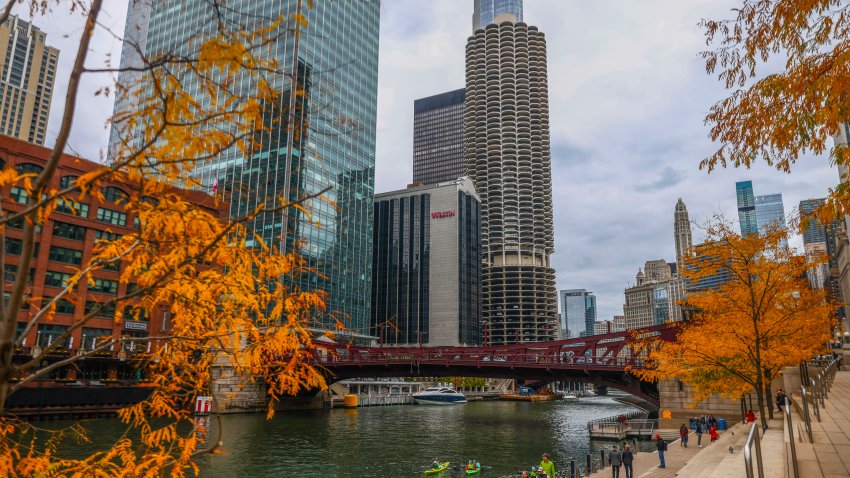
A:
700, 430
683, 434
628, 458
780, 399
616, 459
661, 446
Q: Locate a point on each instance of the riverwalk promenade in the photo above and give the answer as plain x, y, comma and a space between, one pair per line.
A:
827, 455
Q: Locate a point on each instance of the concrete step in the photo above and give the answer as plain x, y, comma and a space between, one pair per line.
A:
711, 455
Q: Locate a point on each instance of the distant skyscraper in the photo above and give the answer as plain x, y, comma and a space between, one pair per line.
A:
682, 233
814, 232
578, 313
438, 138
770, 211
507, 155
26, 87
330, 79
746, 207
426, 274
485, 12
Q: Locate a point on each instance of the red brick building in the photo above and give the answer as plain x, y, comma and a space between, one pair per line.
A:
64, 243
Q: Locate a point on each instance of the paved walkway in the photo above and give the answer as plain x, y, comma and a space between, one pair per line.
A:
676, 457
829, 455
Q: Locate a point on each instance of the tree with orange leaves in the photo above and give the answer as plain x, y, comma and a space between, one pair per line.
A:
785, 63
741, 334
231, 297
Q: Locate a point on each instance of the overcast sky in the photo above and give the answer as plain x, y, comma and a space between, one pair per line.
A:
628, 97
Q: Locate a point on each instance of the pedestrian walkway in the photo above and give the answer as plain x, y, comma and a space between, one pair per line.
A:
829, 455
676, 457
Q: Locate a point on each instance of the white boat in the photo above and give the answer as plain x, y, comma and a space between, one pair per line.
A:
441, 395
570, 398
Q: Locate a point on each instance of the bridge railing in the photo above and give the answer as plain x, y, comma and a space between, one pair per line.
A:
460, 356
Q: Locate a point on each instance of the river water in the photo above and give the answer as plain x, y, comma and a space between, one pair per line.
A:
400, 441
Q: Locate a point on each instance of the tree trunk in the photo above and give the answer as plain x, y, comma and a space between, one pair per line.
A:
760, 396
768, 395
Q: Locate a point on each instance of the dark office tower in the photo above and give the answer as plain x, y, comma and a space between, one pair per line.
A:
682, 235
328, 96
746, 208
438, 138
486, 12
426, 273
507, 155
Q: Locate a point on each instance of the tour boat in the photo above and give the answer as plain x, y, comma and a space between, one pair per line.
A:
442, 395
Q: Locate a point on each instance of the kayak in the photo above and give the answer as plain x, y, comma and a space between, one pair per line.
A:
434, 471
473, 472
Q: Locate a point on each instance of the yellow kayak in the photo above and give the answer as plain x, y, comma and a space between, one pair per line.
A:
434, 471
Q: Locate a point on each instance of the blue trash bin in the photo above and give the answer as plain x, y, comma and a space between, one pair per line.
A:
721, 424
693, 424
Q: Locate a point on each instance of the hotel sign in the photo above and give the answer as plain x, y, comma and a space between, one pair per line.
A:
442, 214
135, 325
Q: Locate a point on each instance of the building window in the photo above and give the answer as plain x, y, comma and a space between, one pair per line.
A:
65, 255
14, 247
107, 311
135, 313
93, 337
69, 231
28, 168
106, 236
56, 279
19, 195
11, 273
63, 306
66, 182
73, 208
49, 333
116, 195
112, 217
105, 286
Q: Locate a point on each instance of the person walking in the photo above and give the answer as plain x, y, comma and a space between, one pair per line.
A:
661, 446
628, 458
712, 432
615, 458
751, 417
700, 430
547, 465
683, 434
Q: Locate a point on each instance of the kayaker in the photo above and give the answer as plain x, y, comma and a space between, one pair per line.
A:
471, 466
436, 463
547, 465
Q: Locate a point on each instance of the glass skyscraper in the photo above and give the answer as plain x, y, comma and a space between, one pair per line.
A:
746, 207
337, 70
486, 12
770, 212
578, 313
814, 232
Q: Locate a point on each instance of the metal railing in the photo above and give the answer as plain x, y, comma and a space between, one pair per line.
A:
753, 442
817, 391
790, 427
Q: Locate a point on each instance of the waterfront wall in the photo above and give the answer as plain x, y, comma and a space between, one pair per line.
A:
678, 404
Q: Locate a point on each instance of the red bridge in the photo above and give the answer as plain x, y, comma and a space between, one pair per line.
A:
598, 359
